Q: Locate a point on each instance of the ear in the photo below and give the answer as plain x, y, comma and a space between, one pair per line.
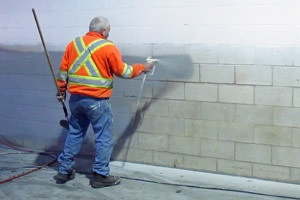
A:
104, 32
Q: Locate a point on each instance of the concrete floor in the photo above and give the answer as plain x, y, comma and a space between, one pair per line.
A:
41, 185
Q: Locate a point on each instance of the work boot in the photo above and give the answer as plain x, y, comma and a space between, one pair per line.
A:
99, 181
62, 178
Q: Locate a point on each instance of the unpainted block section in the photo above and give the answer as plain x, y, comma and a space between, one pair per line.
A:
276, 96
273, 135
156, 108
253, 153
185, 109
271, 172
216, 73
295, 175
168, 126
256, 114
217, 111
153, 142
200, 163
285, 156
296, 137
185, 145
296, 95
201, 129
234, 167
217, 149
201, 92
253, 75
236, 94
236, 132
136, 155
286, 76
168, 159
286, 116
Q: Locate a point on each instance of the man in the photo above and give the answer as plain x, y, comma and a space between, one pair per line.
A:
87, 70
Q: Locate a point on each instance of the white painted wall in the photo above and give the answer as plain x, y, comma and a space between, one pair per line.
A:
259, 22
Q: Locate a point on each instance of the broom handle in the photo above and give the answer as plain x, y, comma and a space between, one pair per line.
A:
45, 49
49, 61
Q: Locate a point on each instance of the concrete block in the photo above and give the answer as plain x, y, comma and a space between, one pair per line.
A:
285, 156
276, 96
234, 167
200, 163
146, 125
213, 73
295, 175
201, 92
236, 132
253, 153
184, 109
217, 111
217, 149
236, 94
271, 172
250, 75
168, 159
185, 145
257, 114
153, 142
169, 90
201, 129
156, 108
286, 76
273, 135
296, 97
138, 155
296, 137
286, 116
168, 126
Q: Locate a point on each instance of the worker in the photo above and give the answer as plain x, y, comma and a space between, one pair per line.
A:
87, 71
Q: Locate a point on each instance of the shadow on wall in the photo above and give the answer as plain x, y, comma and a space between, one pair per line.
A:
28, 72
169, 69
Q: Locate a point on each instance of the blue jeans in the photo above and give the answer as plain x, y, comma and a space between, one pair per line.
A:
86, 110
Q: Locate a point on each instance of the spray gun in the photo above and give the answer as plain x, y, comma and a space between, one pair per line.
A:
148, 60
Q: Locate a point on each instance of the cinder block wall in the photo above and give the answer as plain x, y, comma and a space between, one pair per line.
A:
224, 97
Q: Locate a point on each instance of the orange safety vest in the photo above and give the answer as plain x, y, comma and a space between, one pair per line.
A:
88, 66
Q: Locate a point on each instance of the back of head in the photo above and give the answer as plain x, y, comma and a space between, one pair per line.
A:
98, 24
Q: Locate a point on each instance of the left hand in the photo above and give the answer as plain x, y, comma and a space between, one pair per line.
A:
61, 96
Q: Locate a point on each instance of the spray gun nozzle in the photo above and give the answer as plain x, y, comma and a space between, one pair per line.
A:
151, 60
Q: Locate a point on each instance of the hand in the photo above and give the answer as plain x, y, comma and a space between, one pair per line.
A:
148, 66
61, 96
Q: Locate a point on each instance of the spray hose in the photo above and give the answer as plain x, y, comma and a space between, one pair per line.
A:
148, 60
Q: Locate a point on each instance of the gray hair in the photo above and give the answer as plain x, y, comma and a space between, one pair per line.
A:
98, 24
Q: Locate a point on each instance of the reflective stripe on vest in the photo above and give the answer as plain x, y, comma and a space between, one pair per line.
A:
94, 78
62, 75
127, 72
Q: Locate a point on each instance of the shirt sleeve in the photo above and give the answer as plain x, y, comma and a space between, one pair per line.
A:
120, 68
62, 78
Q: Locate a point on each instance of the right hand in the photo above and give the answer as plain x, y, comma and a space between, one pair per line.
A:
148, 67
